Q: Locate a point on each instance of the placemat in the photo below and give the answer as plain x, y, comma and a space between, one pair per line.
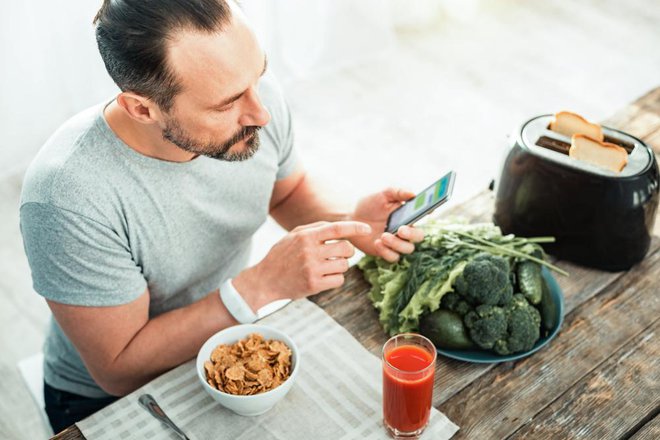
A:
337, 395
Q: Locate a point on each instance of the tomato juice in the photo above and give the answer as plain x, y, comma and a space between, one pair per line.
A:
408, 372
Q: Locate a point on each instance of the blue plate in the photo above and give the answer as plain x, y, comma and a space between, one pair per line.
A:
488, 357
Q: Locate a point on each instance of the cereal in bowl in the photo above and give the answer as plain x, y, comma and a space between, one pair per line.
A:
250, 366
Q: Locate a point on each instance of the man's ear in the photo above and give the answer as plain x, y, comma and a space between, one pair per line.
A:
141, 109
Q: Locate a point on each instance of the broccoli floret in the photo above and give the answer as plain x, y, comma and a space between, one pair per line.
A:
500, 262
523, 327
485, 280
487, 324
454, 302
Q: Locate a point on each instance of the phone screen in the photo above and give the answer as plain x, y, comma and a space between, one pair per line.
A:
423, 203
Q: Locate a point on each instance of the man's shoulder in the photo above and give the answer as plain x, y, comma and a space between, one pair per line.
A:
68, 163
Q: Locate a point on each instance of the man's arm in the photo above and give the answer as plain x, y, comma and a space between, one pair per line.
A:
123, 349
296, 201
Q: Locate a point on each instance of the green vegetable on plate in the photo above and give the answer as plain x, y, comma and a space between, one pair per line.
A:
445, 329
523, 327
548, 309
485, 280
458, 288
530, 279
454, 302
487, 325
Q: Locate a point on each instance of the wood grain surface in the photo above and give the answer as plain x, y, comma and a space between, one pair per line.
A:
600, 377
602, 403
649, 430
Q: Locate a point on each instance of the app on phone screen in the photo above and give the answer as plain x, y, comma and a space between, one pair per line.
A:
422, 202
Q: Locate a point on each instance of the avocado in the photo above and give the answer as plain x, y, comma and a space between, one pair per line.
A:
445, 329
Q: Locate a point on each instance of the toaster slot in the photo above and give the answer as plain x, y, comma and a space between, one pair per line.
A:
553, 144
623, 144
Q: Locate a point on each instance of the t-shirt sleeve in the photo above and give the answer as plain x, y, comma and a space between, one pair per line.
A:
77, 260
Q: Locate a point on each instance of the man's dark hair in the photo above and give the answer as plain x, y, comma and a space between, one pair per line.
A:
132, 38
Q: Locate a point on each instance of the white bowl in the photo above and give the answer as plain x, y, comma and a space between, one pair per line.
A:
258, 403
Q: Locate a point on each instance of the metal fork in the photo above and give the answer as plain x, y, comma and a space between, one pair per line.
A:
149, 403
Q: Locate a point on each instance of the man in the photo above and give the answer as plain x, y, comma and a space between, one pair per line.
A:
137, 214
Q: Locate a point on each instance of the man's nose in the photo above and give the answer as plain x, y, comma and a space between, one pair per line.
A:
254, 112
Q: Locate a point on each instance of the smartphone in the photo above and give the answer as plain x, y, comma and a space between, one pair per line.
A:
422, 204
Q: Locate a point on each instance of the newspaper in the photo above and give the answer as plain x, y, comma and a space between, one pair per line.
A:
337, 395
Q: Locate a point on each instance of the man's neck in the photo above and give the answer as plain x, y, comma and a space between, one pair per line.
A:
145, 139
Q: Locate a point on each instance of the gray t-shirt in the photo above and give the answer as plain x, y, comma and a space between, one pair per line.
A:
101, 223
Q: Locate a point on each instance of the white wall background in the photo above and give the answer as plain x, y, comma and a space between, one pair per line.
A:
50, 67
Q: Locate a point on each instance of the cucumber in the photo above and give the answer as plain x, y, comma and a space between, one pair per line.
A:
530, 281
548, 308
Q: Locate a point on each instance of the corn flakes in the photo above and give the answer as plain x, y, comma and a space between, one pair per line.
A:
250, 366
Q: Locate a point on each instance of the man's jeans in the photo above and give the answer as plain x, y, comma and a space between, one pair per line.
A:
64, 408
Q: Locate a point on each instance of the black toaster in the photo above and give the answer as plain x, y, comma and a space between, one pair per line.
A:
599, 218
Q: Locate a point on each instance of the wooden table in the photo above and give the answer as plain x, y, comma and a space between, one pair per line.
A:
600, 377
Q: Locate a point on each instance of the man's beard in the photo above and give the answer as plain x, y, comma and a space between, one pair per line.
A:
175, 134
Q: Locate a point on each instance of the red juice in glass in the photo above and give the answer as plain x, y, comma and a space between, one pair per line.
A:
408, 371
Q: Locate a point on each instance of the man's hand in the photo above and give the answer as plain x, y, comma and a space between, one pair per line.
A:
374, 211
309, 259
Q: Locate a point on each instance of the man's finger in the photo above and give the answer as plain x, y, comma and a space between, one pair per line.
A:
331, 282
398, 195
385, 252
396, 244
343, 229
341, 249
411, 234
309, 226
331, 267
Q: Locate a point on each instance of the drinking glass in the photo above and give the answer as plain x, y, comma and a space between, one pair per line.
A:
408, 371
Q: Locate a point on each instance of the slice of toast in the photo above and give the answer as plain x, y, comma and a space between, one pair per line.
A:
602, 154
568, 124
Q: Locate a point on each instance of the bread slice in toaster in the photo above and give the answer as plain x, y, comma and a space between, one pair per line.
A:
568, 124
602, 154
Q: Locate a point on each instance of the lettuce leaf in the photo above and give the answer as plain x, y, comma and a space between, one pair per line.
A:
390, 293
